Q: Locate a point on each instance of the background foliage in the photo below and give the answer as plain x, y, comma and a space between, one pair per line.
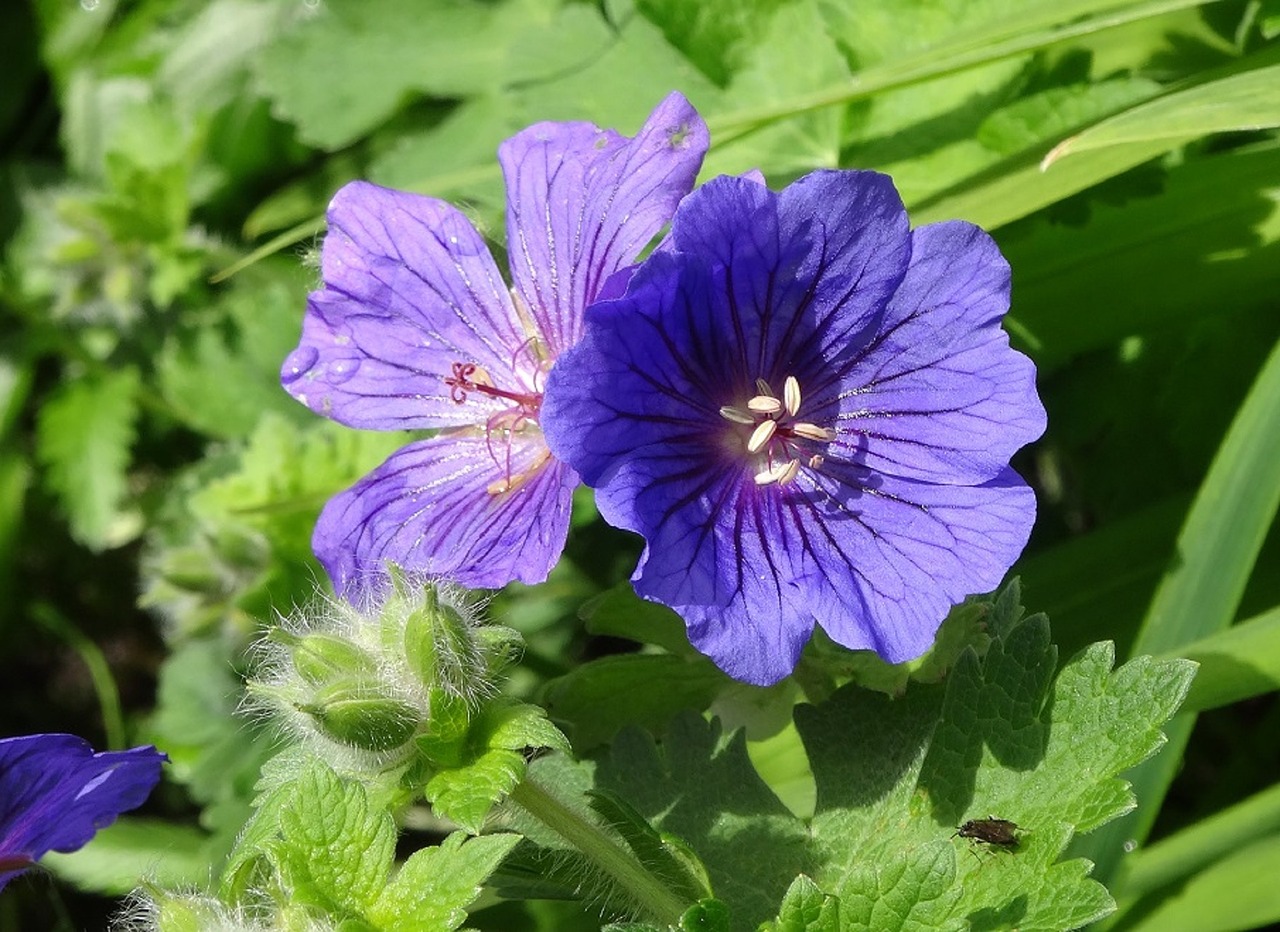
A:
166, 164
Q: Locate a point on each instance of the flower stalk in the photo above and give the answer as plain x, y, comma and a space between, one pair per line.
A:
603, 851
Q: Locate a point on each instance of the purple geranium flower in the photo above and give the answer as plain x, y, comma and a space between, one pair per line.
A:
55, 793
807, 409
415, 328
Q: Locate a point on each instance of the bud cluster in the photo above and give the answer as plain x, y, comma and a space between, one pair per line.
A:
370, 681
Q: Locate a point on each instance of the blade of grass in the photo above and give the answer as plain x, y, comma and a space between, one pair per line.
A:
1247, 101
1206, 841
1201, 589
1241, 662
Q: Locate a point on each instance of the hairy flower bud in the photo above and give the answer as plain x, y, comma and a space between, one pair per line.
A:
361, 718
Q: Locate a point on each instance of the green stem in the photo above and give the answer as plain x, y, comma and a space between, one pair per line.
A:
104, 683
603, 851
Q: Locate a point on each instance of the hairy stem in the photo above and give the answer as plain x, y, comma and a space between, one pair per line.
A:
602, 850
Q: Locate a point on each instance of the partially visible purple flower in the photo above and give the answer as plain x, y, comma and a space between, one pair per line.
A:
415, 328
55, 792
807, 409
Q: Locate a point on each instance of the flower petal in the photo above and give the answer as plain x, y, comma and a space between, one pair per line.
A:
55, 792
894, 555
807, 270
583, 202
937, 393
429, 509
410, 289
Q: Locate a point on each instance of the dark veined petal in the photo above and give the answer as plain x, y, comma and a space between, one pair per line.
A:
757, 285
937, 393
410, 289
55, 792
582, 202
894, 555
437, 507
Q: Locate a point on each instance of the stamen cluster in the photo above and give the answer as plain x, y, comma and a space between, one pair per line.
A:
781, 441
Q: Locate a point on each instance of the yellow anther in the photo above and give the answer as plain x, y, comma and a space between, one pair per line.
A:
737, 415
816, 461
788, 471
761, 435
765, 404
791, 394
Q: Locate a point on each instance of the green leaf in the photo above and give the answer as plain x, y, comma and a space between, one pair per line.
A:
1201, 590
133, 850
805, 908
84, 434
466, 794
1214, 230
515, 726
699, 785
1000, 737
432, 889
1011, 743
1237, 663
1203, 843
794, 56
1247, 101
347, 67
223, 376
334, 850
1237, 892
598, 698
713, 35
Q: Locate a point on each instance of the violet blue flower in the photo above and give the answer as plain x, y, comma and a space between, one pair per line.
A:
55, 792
415, 328
807, 410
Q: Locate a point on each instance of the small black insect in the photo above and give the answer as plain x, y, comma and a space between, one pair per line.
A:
999, 833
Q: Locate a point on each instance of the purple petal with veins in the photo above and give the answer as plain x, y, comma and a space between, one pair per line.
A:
712, 408
464, 506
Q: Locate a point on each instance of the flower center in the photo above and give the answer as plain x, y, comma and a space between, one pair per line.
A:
779, 440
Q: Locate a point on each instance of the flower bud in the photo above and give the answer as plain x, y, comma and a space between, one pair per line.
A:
322, 658
360, 717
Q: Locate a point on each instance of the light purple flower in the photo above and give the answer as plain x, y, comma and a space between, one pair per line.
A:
807, 410
55, 792
415, 328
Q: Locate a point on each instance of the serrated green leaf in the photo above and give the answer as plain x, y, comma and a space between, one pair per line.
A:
84, 435
1012, 742
466, 794
516, 726
806, 908
333, 848
432, 889
1246, 101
